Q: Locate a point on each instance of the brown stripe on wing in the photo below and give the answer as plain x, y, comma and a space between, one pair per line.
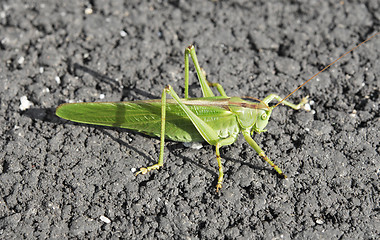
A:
219, 102
262, 106
224, 103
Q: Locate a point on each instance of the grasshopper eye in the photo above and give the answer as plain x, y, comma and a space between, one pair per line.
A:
264, 116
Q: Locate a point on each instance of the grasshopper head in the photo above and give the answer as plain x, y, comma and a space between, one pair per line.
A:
250, 115
262, 120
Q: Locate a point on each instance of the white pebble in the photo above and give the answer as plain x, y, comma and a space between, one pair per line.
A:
123, 33
353, 114
58, 79
25, 103
319, 221
307, 107
88, 11
21, 60
193, 145
105, 219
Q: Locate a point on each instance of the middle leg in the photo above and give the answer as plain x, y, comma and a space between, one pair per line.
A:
223, 142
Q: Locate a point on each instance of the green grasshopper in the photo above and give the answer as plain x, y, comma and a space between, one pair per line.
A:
215, 119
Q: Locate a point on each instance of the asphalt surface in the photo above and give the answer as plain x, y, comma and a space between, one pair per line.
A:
60, 179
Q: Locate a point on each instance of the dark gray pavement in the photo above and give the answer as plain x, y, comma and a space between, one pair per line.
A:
62, 180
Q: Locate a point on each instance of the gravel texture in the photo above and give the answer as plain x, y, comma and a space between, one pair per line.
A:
65, 180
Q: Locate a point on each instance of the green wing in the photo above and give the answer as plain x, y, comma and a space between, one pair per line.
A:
145, 117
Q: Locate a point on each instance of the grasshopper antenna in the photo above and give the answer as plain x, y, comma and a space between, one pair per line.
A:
303, 84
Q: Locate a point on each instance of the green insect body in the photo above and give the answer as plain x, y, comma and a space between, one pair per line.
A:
215, 119
145, 116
